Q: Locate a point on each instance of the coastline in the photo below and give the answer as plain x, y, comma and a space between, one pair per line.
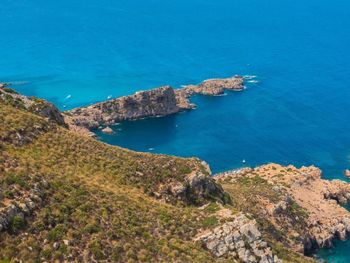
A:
293, 185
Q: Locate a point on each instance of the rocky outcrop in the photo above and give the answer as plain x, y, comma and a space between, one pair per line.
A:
21, 207
32, 104
196, 189
107, 130
347, 173
239, 239
303, 191
156, 102
3, 85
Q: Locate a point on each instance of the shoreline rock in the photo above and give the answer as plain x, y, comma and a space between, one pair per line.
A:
347, 173
3, 85
160, 101
107, 130
320, 201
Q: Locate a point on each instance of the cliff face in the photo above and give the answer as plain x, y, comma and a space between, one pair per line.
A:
156, 102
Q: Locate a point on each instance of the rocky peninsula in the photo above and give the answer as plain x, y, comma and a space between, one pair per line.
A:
151, 103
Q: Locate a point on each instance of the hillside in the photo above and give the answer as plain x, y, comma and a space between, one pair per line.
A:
68, 197
91, 195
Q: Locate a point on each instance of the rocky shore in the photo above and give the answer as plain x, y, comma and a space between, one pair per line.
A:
298, 195
151, 103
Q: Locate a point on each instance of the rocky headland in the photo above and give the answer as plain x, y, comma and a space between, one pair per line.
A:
151, 103
296, 202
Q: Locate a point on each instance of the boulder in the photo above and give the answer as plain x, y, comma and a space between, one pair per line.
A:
107, 130
347, 173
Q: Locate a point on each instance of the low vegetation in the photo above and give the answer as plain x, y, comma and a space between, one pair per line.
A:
100, 202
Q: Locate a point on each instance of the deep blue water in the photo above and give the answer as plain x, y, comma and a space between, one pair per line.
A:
298, 112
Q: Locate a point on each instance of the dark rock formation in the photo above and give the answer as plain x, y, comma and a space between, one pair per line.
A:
156, 102
196, 189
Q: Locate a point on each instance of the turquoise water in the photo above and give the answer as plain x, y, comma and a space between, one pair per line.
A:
76, 52
338, 254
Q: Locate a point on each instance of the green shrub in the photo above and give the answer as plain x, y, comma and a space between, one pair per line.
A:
57, 233
96, 251
16, 224
210, 221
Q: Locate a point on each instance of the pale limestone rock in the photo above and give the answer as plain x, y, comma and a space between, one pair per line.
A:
228, 239
107, 130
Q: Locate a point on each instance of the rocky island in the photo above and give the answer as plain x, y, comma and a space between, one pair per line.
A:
66, 197
155, 102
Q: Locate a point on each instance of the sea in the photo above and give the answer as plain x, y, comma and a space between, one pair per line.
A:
294, 53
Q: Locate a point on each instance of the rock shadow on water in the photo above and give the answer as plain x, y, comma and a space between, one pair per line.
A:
142, 135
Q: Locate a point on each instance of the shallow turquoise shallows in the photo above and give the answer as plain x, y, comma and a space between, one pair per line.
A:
76, 52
